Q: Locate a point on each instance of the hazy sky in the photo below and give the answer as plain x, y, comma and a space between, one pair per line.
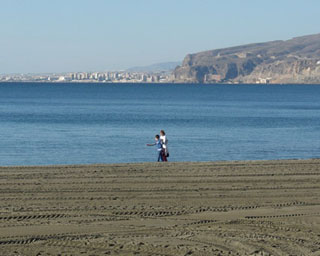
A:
88, 35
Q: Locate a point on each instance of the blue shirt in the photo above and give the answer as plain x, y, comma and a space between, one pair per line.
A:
159, 145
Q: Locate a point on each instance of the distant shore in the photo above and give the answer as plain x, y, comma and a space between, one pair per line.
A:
143, 83
204, 208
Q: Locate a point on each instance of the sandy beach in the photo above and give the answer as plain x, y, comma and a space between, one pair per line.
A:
210, 208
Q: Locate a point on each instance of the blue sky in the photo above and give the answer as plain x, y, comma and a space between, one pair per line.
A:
96, 35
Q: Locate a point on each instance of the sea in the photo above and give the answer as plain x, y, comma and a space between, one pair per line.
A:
80, 123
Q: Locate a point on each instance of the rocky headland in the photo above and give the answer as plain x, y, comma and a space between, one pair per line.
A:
292, 61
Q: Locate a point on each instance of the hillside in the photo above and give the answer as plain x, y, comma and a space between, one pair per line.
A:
158, 67
293, 61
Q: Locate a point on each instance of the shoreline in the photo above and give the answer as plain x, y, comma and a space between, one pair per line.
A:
153, 83
159, 163
226, 162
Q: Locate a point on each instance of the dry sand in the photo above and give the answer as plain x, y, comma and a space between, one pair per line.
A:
221, 208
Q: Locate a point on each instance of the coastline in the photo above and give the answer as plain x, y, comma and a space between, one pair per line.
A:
267, 207
144, 83
150, 164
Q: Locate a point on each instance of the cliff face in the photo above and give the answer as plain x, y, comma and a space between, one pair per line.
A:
292, 61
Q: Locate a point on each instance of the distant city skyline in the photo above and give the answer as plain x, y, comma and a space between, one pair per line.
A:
39, 36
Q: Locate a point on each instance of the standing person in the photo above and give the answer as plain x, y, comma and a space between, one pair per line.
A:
160, 150
164, 142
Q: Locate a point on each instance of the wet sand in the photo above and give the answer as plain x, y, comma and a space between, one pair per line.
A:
218, 208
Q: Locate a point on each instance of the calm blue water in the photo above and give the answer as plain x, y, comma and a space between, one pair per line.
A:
44, 124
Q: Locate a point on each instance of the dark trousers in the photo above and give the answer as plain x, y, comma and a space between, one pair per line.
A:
162, 156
